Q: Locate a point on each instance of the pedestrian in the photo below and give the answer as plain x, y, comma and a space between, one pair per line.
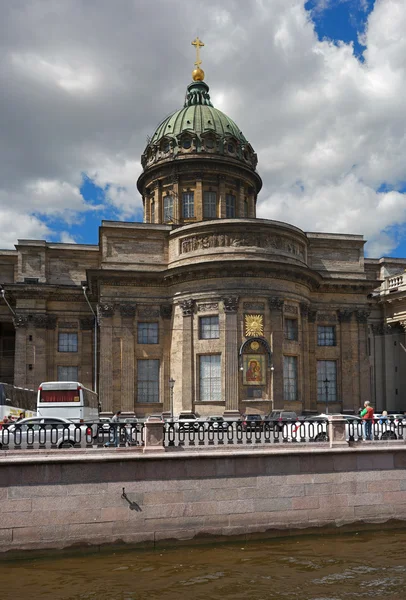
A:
113, 429
21, 416
367, 415
384, 417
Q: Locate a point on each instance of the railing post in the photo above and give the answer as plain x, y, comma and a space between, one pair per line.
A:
337, 431
154, 435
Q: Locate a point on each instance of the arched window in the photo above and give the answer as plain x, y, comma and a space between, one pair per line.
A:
168, 208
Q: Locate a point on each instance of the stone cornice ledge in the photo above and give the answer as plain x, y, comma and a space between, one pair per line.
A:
126, 454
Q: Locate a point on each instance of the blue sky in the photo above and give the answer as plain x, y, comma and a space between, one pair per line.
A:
318, 106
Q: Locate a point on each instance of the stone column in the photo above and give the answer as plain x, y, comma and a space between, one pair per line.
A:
177, 201
187, 307
21, 324
346, 375
240, 200
312, 375
87, 354
305, 370
276, 308
222, 196
127, 312
105, 313
363, 358
158, 203
166, 316
199, 198
231, 357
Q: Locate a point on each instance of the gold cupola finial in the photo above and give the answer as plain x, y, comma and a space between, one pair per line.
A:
198, 73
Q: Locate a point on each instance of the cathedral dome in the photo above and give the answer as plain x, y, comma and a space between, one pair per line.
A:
198, 129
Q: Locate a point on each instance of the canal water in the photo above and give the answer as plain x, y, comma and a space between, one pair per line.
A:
346, 567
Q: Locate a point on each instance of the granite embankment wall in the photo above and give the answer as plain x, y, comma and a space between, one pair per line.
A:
65, 498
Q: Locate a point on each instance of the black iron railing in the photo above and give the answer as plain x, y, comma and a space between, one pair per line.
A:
70, 435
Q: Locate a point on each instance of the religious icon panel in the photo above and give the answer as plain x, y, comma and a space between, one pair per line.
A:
254, 369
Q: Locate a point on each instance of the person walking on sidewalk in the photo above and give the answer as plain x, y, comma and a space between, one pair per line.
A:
367, 415
114, 430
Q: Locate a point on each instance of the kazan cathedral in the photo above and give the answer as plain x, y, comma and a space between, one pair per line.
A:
203, 307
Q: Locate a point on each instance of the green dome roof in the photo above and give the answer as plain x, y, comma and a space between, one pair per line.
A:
198, 119
198, 128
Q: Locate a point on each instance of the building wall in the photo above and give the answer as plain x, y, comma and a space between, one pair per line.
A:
77, 500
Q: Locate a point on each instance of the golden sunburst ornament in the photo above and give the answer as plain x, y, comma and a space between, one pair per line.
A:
254, 325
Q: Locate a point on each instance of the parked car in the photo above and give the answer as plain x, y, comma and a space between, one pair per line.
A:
252, 422
217, 422
278, 418
46, 431
187, 421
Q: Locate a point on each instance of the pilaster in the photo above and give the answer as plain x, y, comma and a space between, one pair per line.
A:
105, 314
231, 355
187, 307
364, 378
222, 196
199, 199
346, 375
304, 372
276, 308
127, 312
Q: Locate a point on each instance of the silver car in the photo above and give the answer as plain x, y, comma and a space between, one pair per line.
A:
45, 432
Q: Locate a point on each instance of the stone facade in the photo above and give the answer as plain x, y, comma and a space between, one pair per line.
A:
244, 314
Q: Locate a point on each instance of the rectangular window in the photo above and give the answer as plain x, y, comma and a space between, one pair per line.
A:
68, 373
209, 328
210, 378
147, 380
326, 381
290, 377
68, 342
188, 199
148, 333
230, 206
209, 205
326, 335
291, 329
168, 208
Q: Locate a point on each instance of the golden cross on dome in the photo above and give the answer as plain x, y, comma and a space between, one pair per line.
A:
197, 44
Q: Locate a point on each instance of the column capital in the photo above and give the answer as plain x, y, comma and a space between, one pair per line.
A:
276, 303
344, 315
21, 320
128, 310
312, 315
187, 307
304, 309
230, 304
362, 315
87, 323
104, 310
166, 311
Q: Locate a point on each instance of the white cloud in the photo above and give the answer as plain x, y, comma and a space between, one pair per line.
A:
329, 130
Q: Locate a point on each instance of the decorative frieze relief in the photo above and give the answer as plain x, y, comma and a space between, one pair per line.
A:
166, 311
266, 241
344, 315
276, 303
87, 323
362, 315
187, 307
67, 324
254, 325
388, 328
291, 308
40, 321
104, 311
127, 310
254, 306
148, 312
21, 321
326, 317
230, 304
207, 306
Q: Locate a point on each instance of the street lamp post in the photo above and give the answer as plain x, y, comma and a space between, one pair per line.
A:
171, 386
326, 382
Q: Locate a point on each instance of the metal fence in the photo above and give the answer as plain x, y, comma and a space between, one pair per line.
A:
194, 434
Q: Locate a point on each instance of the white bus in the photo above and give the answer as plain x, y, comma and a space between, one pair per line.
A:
68, 400
16, 400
